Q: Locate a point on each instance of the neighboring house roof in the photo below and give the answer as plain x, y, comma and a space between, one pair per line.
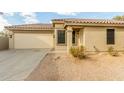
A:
30, 27
76, 20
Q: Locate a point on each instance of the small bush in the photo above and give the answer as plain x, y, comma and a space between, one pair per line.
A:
74, 51
78, 52
82, 48
82, 55
112, 51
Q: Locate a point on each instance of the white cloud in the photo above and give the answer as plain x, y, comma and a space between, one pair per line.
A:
29, 17
67, 13
3, 22
7, 13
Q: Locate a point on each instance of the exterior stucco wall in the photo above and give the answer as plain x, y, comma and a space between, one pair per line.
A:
81, 37
56, 45
60, 26
11, 40
119, 38
33, 40
96, 36
4, 43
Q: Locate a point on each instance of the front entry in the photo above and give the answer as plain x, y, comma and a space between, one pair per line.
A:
75, 37
66, 39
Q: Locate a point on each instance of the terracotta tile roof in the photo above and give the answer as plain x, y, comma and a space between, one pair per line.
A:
94, 21
30, 27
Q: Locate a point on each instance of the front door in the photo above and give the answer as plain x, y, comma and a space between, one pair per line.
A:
73, 37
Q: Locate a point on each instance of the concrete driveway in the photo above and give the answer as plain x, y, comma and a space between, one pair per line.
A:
18, 64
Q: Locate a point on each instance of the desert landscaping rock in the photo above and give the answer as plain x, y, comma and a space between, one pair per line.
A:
63, 67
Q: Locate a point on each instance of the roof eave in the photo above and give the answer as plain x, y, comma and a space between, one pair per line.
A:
18, 29
92, 24
54, 21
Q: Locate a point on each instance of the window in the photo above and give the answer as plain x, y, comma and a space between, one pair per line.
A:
110, 36
61, 36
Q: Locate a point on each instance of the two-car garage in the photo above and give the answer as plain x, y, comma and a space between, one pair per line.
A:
33, 40
31, 36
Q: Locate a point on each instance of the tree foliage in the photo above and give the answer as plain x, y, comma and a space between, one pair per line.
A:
3, 34
120, 18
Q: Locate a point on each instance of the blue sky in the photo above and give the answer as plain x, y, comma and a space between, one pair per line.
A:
45, 17
15, 18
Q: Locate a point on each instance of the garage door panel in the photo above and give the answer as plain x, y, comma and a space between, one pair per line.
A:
33, 41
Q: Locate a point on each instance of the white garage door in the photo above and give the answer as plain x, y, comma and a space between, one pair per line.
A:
26, 40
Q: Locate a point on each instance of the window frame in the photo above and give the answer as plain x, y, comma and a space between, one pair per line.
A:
60, 43
110, 36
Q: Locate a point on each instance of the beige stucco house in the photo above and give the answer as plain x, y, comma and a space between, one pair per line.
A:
63, 33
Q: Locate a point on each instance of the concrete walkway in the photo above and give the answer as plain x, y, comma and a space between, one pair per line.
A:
18, 64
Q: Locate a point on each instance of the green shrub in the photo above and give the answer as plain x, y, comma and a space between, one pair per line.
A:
74, 51
82, 48
82, 55
112, 51
78, 52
